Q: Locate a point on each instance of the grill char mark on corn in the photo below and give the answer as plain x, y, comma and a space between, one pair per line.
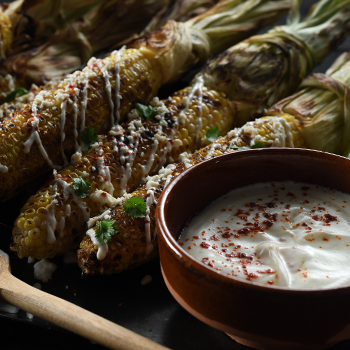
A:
127, 248
139, 82
144, 146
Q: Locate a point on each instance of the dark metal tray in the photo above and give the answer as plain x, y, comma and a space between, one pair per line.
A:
149, 310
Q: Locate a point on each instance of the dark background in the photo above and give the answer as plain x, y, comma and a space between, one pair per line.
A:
149, 310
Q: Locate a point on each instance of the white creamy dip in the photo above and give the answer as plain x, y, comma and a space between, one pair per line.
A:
286, 234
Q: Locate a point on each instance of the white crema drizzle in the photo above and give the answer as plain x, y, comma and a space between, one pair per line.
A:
197, 87
63, 134
80, 81
149, 201
104, 66
153, 182
105, 174
117, 82
50, 216
129, 141
34, 136
102, 249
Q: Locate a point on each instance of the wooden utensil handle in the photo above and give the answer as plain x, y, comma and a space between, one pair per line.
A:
71, 317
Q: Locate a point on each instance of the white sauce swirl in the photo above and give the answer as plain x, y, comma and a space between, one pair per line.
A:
286, 234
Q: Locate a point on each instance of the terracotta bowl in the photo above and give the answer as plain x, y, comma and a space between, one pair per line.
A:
259, 316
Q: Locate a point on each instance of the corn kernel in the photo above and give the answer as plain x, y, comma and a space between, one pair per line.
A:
34, 233
29, 242
29, 224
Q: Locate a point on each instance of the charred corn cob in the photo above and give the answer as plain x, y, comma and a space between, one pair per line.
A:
46, 132
263, 69
134, 244
54, 120
52, 222
318, 115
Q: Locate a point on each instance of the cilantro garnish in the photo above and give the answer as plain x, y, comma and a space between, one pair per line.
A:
146, 111
81, 187
259, 145
12, 95
88, 136
212, 134
236, 148
135, 207
106, 229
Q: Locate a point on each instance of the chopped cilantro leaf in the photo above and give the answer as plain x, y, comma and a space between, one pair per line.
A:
259, 145
81, 187
12, 95
146, 111
106, 229
212, 134
135, 207
88, 136
236, 148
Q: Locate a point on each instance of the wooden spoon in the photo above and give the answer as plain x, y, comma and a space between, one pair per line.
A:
68, 315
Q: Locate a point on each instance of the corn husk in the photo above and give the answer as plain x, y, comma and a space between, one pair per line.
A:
114, 21
322, 107
63, 53
73, 45
180, 11
33, 20
69, 50
266, 68
201, 32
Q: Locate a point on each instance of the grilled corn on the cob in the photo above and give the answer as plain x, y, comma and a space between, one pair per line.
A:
134, 244
318, 116
52, 221
55, 119
45, 133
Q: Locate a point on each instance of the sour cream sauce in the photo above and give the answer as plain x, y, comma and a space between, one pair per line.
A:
287, 234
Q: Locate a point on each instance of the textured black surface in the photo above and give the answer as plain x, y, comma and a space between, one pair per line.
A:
149, 310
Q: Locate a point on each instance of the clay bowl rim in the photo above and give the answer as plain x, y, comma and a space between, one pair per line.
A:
202, 270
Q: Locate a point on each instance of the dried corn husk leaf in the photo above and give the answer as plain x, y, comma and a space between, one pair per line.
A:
228, 19
33, 20
264, 69
203, 30
114, 21
180, 11
63, 53
101, 32
322, 108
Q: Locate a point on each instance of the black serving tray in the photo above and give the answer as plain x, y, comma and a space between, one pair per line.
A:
149, 310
